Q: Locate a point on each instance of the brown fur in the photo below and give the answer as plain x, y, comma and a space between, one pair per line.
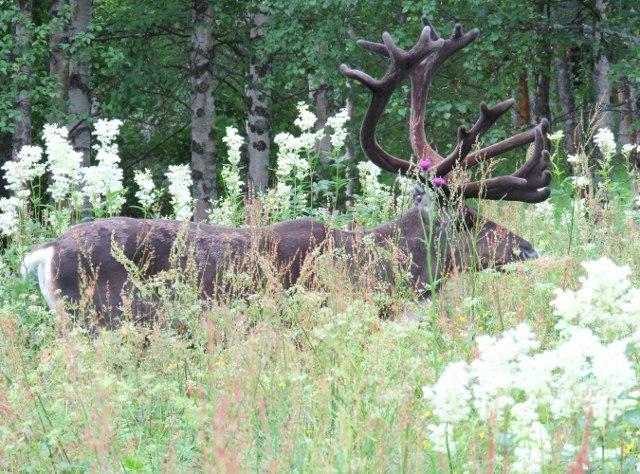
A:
83, 256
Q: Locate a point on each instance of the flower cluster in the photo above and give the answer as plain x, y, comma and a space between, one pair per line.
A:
9, 215
146, 194
629, 148
605, 302
337, 123
180, 183
556, 136
519, 390
64, 164
375, 195
306, 119
102, 183
228, 211
25, 169
605, 142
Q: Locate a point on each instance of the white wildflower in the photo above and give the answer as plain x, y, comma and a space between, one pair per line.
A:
606, 142
605, 302
441, 436
306, 119
102, 183
544, 210
580, 181
9, 215
234, 142
628, 148
577, 158
337, 123
450, 395
374, 193
556, 136
26, 168
228, 210
179, 178
146, 194
64, 163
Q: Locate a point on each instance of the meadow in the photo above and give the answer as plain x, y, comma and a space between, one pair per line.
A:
499, 371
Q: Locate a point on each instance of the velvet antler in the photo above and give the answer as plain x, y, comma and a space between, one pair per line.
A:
420, 63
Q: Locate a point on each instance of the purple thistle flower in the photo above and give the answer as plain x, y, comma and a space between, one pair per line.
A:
438, 181
424, 165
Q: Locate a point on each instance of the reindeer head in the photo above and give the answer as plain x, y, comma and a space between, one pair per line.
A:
446, 175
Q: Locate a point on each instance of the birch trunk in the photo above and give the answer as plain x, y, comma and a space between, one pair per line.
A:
567, 102
318, 94
601, 70
79, 80
258, 110
58, 61
22, 35
203, 166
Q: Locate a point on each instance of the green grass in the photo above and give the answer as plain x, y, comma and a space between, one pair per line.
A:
294, 380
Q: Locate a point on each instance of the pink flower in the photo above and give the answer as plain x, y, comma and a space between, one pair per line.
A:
418, 197
438, 181
424, 165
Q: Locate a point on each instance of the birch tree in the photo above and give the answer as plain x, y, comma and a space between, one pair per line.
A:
258, 107
203, 166
79, 79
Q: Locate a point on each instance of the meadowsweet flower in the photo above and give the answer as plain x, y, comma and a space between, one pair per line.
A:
576, 158
227, 211
337, 123
289, 162
179, 178
64, 164
9, 215
580, 181
103, 182
234, 142
450, 395
606, 142
306, 119
628, 148
605, 301
374, 195
544, 210
556, 136
146, 194
26, 168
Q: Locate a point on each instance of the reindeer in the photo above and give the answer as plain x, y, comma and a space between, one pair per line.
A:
461, 239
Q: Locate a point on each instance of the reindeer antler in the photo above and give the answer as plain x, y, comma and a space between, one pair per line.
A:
529, 183
400, 66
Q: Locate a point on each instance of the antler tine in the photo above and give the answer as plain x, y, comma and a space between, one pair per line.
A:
400, 66
466, 140
530, 183
501, 147
421, 80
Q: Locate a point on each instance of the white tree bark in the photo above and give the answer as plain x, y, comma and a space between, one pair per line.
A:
318, 94
567, 102
79, 80
601, 71
58, 61
257, 124
203, 166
